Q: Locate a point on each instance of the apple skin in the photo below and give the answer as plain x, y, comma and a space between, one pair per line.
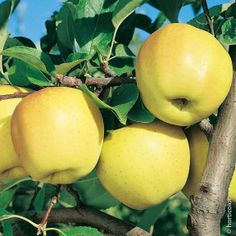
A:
58, 134
183, 74
141, 165
10, 166
198, 144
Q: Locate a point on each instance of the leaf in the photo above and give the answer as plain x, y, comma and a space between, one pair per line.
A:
151, 215
93, 25
39, 200
7, 229
122, 51
50, 39
126, 30
33, 57
65, 29
81, 231
23, 74
123, 9
122, 65
10, 183
92, 192
4, 212
76, 59
123, 99
139, 113
6, 197
231, 11
228, 35
170, 8
6, 8
214, 12
66, 199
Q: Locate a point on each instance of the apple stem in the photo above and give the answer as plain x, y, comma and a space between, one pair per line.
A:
44, 221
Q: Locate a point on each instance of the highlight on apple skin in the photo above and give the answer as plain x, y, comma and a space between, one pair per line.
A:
141, 165
183, 74
53, 130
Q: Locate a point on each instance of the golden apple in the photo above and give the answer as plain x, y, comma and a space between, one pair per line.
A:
10, 166
183, 74
58, 134
143, 164
198, 144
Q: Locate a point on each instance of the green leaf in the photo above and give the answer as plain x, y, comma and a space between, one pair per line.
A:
214, 12
23, 74
6, 197
151, 215
122, 51
39, 200
72, 61
81, 231
10, 183
122, 65
125, 32
170, 8
66, 199
4, 212
65, 29
93, 25
48, 41
140, 114
7, 229
92, 192
228, 35
6, 8
123, 9
123, 99
33, 57
231, 11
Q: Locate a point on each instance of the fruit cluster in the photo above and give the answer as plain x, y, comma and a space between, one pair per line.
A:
55, 135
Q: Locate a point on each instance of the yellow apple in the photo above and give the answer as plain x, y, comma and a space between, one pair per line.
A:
198, 144
10, 166
183, 74
58, 134
143, 164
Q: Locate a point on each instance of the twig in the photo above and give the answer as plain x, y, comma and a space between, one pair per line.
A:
75, 194
13, 95
207, 128
72, 81
208, 18
88, 216
47, 213
208, 205
106, 69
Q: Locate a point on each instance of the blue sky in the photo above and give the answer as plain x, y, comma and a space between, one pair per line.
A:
28, 20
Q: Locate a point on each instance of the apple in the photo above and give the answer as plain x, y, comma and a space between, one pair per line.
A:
141, 165
10, 166
183, 74
58, 134
198, 144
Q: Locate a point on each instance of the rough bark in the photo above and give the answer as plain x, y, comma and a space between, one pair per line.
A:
208, 205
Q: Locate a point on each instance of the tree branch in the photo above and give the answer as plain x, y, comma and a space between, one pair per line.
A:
207, 128
208, 18
74, 82
13, 95
71, 81
208, 205
88, 216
